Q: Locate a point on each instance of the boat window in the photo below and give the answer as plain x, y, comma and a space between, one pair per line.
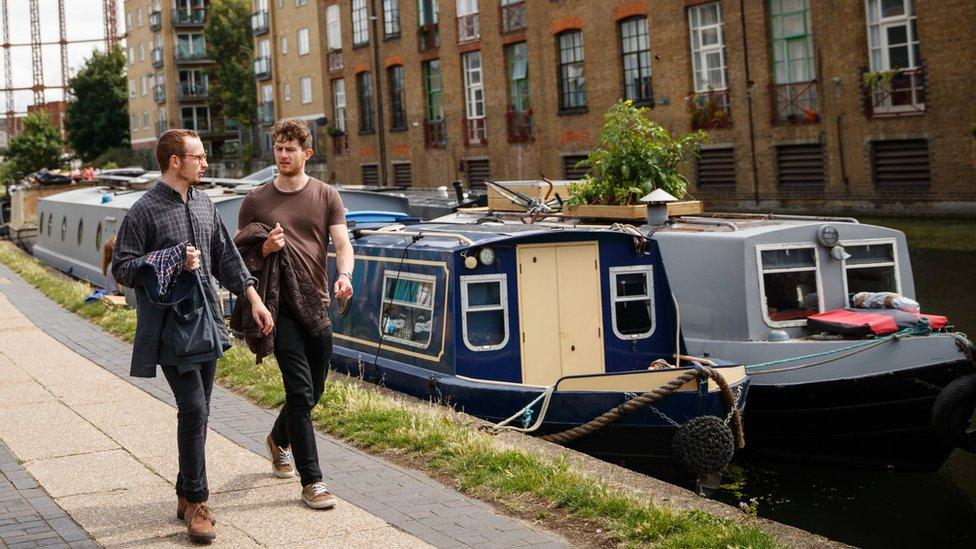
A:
64, 227
408, 308
871, 268
81, 230
50, 222
484, 312
632, 294
98, 237
40, 224
789, 287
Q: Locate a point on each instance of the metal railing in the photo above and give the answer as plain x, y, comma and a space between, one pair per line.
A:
897, 92
260, 22
194, 17
435, 134
157, 57
155, 20
469, 28
710, 109
512, 17
428, 38
340, 143
334, 60
266, 112
519, 125
159, 93
794, 103
475, 131
262, 68
184, 55
188, 90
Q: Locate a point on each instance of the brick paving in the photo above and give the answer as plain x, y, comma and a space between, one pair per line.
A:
405, 498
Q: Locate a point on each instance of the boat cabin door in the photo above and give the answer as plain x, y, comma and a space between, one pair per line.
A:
560, 311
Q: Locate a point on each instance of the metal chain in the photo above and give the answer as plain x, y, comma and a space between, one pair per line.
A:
736, 393
664, 416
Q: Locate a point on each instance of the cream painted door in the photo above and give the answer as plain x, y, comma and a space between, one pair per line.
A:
559, 311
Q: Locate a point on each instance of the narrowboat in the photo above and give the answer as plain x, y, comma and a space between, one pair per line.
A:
490, 318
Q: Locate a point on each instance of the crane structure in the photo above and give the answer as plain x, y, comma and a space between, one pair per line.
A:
110, 38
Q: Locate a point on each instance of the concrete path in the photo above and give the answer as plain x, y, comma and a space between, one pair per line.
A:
88, 457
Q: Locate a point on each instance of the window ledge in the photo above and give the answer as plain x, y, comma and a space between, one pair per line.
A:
572, 111
360, 46
388, 37
366, 132
398, 129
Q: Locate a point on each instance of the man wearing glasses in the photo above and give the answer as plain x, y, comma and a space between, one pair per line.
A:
173, 233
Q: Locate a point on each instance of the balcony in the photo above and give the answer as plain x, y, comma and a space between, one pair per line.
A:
469, 28
340, 143
794, 103
157, 57
262, 68
161, 126
190, 91
512, 17
191, 55
334, 60
200, 125
435, 134
159, 93
266, 112
155, 20
899, 92
189, 18
710, 109
475, 131
260, 23
519, 126
428, 39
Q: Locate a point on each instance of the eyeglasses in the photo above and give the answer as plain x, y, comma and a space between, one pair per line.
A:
202, 157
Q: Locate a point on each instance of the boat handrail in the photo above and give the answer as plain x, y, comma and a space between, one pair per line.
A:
707, 221
419, 234
746, 215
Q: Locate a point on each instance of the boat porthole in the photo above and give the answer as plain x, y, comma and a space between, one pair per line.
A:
40, 224
81, 230
98, 237
64, 227
50, 223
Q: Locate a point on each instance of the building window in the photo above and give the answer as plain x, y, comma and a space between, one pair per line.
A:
129, 58
435, 130
635, 49
469, 26
138, 17
364, 89
286, 92
892, 34
195, 118
306, 89
426, 12
303, 47
484, 311
794, 95
512, 15
572, 86
391, 19
142, 51
300, 3
790, 284
284, 45
339, 103
407, 309
145, 120
518, 76
398, 115
707, 47
132, 88
871, 267
632, 296
190, 46
474, 99
333, 28
144, 85
360, 31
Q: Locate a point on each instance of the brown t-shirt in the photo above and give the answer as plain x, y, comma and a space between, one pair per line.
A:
305, 215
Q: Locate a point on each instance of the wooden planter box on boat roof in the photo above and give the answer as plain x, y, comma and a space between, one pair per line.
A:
532, 188
538, 189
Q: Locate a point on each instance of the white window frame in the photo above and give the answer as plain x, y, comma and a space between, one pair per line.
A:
699, 56
648, 271
142, 51
305, 86
398, 275
138, 17
360, 28
894, 263
145, 120
300, 3
286, 92
144, 85
882, 24
283, 45
303, 44
762, 282
132, 88
391, 17
264, 48
339, 103
129, 56
466, 280
333, 26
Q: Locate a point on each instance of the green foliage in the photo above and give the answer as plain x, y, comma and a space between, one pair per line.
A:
229, 41
635, 157
123, 157
98, 110
38, 146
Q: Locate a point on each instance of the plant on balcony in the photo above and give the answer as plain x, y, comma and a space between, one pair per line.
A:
333, 131
881, 79
635, 157
707, 111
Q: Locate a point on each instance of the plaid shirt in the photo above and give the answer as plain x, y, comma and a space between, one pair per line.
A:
160, 220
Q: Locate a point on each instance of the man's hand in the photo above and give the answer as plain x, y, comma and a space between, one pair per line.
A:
275, 240
262, 317
343, 287
192, 259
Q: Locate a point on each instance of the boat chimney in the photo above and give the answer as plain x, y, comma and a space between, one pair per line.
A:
657, 206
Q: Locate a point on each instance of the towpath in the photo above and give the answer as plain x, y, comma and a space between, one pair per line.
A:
88, 458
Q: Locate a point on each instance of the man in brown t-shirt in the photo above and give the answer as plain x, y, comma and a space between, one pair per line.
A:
305, 213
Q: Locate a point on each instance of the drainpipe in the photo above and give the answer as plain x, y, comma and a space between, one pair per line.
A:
380, 126
749, 84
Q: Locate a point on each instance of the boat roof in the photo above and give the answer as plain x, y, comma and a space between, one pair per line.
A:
120, 198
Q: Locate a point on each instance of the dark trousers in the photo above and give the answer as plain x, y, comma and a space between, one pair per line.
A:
192, 391
304, 363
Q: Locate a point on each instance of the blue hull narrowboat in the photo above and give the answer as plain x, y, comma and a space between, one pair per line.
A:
489, 319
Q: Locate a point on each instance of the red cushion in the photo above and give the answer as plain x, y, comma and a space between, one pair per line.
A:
853, 322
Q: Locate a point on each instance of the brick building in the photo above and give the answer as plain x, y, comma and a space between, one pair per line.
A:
168, 75
829, 104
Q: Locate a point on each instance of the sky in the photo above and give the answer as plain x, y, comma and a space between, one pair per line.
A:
83, 20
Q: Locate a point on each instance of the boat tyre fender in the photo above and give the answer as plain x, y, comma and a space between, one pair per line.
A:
704, 445
952, 413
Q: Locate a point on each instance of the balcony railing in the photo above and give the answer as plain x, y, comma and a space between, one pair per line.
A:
161, 126
340, 143
512, 16
189, 18
191, 55
200, 125
259, 22
334, 60
435, 134
188, 90
266, 113
157, 57
794, 103
159, 93
519, 125
710, 109
262, 68
428, 38
898, 92
155, 20
475, 131
469, 28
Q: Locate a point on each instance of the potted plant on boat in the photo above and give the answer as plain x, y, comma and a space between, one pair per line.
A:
635, 156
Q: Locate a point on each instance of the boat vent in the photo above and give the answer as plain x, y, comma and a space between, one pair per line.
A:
371, 175
800, 166
715, 168
901, 163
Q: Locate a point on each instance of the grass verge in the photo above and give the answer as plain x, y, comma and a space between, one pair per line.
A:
931, 234
548, 490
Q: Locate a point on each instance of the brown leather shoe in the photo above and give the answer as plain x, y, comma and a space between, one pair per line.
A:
181, 510
198, 525
316, 496
280, 459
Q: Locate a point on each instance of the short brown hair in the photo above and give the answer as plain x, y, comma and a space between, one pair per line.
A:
292, 128
170, 143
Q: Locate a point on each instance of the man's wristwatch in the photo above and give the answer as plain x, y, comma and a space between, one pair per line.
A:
349, 274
